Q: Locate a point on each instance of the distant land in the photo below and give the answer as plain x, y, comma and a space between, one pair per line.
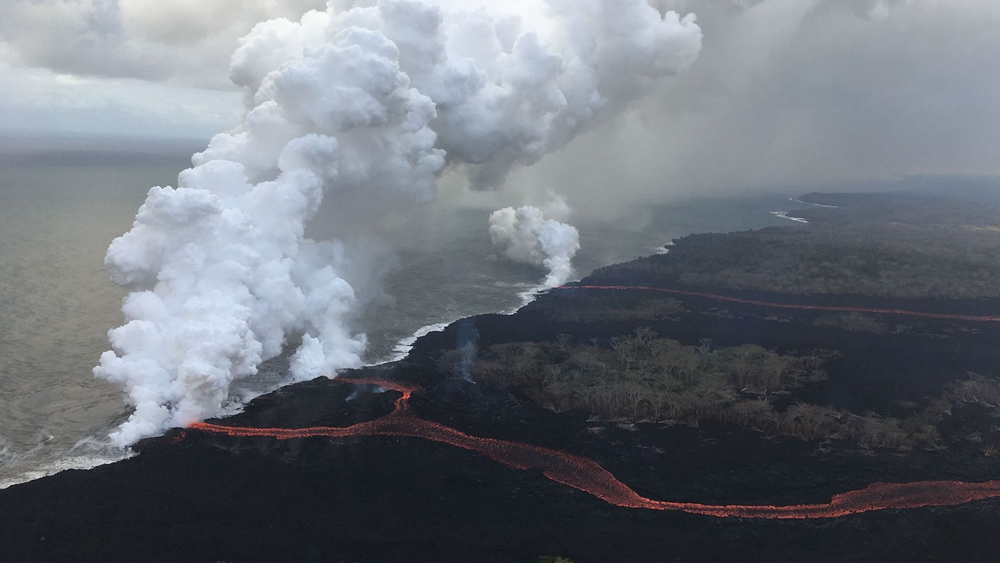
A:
825, 391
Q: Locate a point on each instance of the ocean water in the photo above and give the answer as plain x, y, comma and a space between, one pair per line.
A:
59, 213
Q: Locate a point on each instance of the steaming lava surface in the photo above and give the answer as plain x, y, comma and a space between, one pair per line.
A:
409, 462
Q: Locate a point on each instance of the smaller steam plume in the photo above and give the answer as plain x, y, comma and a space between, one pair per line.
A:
526, 236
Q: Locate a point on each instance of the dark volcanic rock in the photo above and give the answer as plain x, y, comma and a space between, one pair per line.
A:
195, 496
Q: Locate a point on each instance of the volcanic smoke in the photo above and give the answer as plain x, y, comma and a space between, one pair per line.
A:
526, 235
364, 107
586, 475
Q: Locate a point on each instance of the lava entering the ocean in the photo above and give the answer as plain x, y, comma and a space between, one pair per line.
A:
586, 475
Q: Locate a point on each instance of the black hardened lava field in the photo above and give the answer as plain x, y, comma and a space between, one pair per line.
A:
633, 417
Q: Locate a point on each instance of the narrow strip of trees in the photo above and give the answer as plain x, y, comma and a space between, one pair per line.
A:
643, 378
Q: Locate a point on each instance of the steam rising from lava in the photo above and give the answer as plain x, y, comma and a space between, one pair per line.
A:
525, 235
364, 107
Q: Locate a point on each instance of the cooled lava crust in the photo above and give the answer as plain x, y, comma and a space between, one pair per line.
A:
198, 495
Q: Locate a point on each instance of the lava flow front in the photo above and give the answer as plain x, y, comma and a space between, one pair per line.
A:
799, 306
586, 475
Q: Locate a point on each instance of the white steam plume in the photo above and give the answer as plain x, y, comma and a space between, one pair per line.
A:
363, 106
526, 236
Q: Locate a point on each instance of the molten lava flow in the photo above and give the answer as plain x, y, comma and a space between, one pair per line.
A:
586, 475
834, 308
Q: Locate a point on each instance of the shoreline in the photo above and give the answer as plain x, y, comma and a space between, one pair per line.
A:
103, 453
378, 498
326, 466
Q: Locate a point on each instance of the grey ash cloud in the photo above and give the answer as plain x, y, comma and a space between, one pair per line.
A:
793, 93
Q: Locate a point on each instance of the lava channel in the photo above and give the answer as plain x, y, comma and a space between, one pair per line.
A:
803, 307
586, 475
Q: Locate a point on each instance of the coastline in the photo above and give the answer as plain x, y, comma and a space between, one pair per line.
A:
372, 498
880, 429
96, 450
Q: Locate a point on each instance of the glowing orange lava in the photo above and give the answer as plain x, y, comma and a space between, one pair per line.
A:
717, 297
586, 475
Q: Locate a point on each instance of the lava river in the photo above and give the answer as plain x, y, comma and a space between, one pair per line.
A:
586, 475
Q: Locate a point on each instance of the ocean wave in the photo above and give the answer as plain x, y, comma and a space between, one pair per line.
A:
43, 460
403, 347
527, 297
785, 215
794, 200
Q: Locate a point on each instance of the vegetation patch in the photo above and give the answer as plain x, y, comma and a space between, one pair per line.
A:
897, 245
641, 378
854, 322
868, 259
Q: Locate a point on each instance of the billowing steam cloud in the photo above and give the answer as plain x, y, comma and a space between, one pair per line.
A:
526, 236
365, 107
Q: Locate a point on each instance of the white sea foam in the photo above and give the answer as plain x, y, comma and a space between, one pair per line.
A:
794, 200
403, 347
43, 461
528, 296
785, 215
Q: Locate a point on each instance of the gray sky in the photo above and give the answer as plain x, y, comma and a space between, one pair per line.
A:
785, 92
802, 93
130, 67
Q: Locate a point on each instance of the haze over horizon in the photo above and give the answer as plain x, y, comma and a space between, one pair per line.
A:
784, 92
